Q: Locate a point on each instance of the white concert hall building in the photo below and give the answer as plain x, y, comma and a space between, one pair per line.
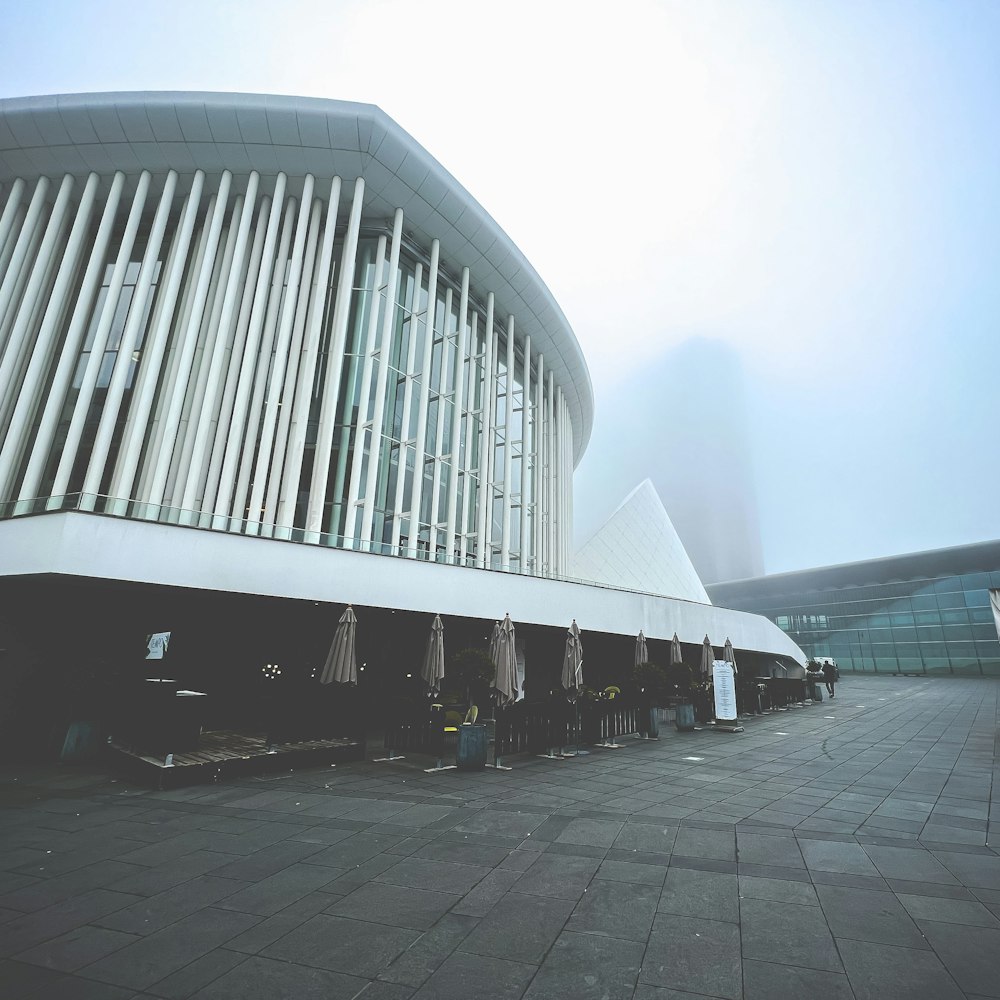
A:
268, 346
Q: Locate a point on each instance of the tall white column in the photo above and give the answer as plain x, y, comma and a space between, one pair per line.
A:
508, 450
307, 369
550, 474
31, 387
416, 498
538, 436
131, 335
165, 369
66, 365
21, 259
8, 220
335, 361
364, 401
561, 481
7, 247
22, 328
525, 553
303, 309
194, 402
241, 509
214, 385
470, 405
404, 446
439, 435
276, 383
95, 358
483, 539
187, 340
379, 440
220, 420
244, 384
456, 423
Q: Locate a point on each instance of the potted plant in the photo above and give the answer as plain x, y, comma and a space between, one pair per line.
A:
469, 672
651, 685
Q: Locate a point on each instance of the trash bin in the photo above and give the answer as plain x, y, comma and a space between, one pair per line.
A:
470, 753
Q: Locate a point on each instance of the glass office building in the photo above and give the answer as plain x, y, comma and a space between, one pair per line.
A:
924, 613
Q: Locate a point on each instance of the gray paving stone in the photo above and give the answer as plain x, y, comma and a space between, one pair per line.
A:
19, 980
263, 979
616, 909
157, 956
762, 850
968, 953
974, 870
827, 856
519, 928
778, 890
354, 947
787, 934
864, 915
426, 954
277, 891
699, 956
441, 876
587, 967
197, 975
710, 895
658, 839
621, 871
355, 849
553, 875
768, 981
153, 913
949, 911
877, 971
591, 832
716, 845
491, 979
398, 906
76, 948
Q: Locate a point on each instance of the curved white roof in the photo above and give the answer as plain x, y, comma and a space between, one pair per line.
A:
78, 133
637, 547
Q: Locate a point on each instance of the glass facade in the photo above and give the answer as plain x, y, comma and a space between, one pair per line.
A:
213, 373
930, 624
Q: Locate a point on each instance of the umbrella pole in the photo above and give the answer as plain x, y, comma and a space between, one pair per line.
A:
497, 764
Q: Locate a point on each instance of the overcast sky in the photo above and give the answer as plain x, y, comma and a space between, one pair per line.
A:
815, 183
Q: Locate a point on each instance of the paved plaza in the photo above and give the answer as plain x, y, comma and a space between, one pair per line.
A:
829, 852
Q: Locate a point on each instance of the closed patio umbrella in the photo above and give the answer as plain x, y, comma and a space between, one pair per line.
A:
505, 660
641, 652
729, 656
676, 656
432, 669
707, 658
494, 639
572, 672
341, 666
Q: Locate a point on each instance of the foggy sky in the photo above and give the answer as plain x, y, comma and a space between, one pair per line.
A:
813, 183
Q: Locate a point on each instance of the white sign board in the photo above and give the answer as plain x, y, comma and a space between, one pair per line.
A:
724, 682
156, 645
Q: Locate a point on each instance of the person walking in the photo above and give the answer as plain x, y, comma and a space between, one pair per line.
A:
830, 677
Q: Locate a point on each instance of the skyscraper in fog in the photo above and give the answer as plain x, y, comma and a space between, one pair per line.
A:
681, 422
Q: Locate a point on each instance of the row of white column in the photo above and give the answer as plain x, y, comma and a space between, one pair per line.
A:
230, 312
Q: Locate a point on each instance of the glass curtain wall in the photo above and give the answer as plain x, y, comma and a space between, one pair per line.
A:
452, 389
942, 625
